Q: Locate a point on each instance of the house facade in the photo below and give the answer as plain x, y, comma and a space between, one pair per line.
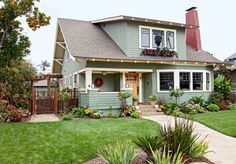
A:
138, 55
232, 60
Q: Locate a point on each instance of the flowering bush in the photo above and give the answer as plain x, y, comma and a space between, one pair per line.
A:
97, 114
88, 112
128, 110
223, 106
10, 113
192, 108
213, 107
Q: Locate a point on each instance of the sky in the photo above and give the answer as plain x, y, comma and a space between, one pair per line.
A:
217, 20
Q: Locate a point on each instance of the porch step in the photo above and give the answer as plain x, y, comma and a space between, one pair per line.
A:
146, 108
149, 113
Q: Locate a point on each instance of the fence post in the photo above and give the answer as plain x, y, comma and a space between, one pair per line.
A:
56, 101
33, 101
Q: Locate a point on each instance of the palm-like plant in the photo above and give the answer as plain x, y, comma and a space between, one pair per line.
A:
44, 64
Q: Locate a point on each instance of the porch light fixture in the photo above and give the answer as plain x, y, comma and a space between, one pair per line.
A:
205, 63
214, 65
161, 61
148, 61
185, 62
104, 73
173, 62
93, 59
170, 23
108, 60
223, 64
146, 20
135, 61
196, 63
121, 61
158, 22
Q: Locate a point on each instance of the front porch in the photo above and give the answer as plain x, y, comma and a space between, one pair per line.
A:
99, 87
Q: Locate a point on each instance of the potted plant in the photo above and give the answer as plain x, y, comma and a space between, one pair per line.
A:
152, 100
135, 100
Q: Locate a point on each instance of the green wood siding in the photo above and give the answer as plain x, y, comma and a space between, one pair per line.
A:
151, 78
126, 36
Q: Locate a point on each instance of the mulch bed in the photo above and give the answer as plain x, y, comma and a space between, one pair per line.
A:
142, 159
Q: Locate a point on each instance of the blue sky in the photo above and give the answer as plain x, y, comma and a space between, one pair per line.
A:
217, 20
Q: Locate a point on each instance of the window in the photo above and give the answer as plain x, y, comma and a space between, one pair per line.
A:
151, 37
170, 41
157, 38
75, 81
145, 37
166, 80
71, 82
207, 81
184, 78
197, 80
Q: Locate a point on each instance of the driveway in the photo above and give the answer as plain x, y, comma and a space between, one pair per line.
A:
223, 147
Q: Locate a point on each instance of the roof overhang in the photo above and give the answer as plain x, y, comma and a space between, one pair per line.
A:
144, 20
157, 61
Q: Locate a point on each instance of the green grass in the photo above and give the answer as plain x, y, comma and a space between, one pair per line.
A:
224, 122
66, 141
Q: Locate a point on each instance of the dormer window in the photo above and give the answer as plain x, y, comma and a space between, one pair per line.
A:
152, 38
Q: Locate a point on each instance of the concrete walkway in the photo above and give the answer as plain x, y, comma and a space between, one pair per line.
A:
224, 147
44, 118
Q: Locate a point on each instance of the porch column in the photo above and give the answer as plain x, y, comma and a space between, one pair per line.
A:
88, 79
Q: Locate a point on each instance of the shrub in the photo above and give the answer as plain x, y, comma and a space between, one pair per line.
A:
213, 107
118, 153
166, 157
149, 143
97, 114
198, 100
171, 107
152, 98
216, 98
123, 96
232, 97
135, 115
222, 85
223, 105
88, 112
135, 98
10, 113
178, 113
78, 112
232, 107
67, 117
194, 111
128, 110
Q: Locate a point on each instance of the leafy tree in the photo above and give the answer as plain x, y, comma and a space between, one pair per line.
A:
222, 85
44, 64
13, 44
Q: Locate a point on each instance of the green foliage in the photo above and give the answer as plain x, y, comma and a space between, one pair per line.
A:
97, 114
67, 117
119, 153
135, 98
170, 107
10, 113
199, 149
44, 64
78, 112
165, 157
135, 115
63, 96
198, 100
177, 93
123, 95
194, 111
213, 107
222, 85
178, 113
192, 108
152, 98
180, 137
232, 107
149, 143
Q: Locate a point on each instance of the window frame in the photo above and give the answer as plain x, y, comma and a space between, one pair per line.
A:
190, 76
151, 37
160, 80
177, 79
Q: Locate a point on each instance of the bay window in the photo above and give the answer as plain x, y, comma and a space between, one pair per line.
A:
184, 78
166, 80
145, 37
197, 81
152, 37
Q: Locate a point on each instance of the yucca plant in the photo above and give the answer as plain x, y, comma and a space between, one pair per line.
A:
119, 153
198, 149
180, 137
149, 143
166, 157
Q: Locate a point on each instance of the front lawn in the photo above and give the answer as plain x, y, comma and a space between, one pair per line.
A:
224, 122
66, 141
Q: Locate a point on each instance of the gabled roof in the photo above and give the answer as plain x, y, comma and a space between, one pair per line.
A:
145, 20
85, 40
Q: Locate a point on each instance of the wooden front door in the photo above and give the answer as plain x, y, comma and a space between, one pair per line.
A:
132, 81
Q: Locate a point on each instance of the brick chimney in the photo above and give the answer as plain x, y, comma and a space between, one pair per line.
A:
193, 38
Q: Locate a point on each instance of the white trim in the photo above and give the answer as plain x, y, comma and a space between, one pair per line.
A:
140, 88
156, 28
123, 80
88, 79
119, 70
108, 19
176, 79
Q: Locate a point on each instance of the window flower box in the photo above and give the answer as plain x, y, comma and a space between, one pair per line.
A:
165, 52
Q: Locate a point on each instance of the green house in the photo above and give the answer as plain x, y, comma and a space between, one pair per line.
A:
138, 55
